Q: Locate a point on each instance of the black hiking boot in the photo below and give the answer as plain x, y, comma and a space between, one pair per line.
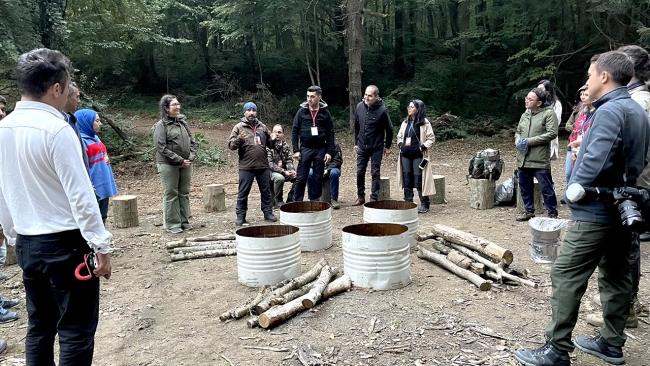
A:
599, 347
547, 355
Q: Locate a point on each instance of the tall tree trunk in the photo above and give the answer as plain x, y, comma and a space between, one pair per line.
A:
355, 44
50, 25
400, 63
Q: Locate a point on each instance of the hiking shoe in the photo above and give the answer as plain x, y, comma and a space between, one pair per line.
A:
547, 355
187, 226
8, 316
524, 216
597, 320
552, 216
598, 347
360, 201
240, 221
335, 204
175, 230
270, 217
423, 209
8, 304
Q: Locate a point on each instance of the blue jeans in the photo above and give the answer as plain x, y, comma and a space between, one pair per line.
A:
334, 184
568, 167
527, 187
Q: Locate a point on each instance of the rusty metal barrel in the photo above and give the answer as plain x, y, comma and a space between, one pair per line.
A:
393, 212
314, 219
268, 254
377, 256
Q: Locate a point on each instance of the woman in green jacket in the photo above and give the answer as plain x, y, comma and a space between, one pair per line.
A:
537, 128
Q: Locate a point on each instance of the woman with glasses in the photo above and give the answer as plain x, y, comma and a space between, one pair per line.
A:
537, 128
175, 152
414, 139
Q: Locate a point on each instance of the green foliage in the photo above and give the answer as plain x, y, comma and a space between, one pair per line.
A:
210, 156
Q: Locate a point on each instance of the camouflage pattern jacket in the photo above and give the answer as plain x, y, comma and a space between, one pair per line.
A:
279, 156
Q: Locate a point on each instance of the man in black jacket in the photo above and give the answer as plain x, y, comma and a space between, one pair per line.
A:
332, 172
371, 120
312, 138
612, 155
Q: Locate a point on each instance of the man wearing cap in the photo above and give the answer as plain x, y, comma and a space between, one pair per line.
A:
250, 138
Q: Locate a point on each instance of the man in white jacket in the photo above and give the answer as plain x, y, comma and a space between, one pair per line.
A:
49, 211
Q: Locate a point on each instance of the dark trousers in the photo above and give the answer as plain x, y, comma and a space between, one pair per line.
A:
587, 246
103, 209
58, 303
635, 265
363, 156
527, 187
262, 176
413, 179
309, 159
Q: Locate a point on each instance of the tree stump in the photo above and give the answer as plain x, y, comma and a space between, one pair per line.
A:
384, 189
481, 193
439, 183
125, 211
538, 200
11, 254
326, 195
214, 198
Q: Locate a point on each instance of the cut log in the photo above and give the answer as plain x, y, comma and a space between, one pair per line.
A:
316, 293
326, 196
214, 198
384, 189
242, 310
253, 322
11, 254
293, 284
442, 248
184, 243
473, 242
200, 248
538, 200
439, 196
214, 237
443, 262
291, 295
176, 243
462, 261
517, 271
481, 193
280, 313
203, 254
125, 211
510, 277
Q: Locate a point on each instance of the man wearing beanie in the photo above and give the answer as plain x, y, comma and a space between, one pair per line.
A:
312, 138
250, 138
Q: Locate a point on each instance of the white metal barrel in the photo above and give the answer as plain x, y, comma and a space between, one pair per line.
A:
377, 256
268, 254
393, 212
314, 219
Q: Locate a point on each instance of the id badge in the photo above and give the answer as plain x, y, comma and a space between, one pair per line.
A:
407, 142
314, 131
258, 141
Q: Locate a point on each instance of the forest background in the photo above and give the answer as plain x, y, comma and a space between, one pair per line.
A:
474, 58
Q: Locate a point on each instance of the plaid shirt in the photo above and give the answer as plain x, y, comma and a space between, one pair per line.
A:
279, 156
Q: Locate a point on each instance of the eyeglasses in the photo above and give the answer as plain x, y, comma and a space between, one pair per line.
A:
530, 100
175, 105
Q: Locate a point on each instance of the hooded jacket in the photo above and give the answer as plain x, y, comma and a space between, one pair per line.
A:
641, 95
173, 140
601, 161
99, 165
540, 128
301, 130
252, 154
372, 126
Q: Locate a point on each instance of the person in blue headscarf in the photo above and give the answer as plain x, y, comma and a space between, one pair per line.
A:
99, 165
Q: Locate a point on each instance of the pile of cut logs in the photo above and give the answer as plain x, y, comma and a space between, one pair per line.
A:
273, 305
202, 247
472, 258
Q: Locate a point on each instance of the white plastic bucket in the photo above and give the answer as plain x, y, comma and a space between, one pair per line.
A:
314, 219
377, 256
267, 255
393, 212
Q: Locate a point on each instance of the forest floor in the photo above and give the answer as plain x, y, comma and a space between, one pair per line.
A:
157, 312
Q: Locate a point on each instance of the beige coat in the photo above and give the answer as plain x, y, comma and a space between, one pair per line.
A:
428, 138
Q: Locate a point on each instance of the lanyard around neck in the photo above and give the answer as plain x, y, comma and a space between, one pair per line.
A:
313, 115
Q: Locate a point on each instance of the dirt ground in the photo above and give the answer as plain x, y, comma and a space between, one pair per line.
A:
155, 312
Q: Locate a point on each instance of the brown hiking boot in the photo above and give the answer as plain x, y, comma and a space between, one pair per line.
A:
360, 201
524, 216
597, 320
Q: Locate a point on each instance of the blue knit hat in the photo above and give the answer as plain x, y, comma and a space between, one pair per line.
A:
249, 105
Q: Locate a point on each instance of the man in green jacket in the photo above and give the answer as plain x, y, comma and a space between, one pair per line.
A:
537, 128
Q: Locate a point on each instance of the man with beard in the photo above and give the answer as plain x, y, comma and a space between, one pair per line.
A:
281, 165
371, 124
251, 138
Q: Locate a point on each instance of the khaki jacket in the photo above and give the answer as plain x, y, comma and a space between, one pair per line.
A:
428, 138
174, 142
